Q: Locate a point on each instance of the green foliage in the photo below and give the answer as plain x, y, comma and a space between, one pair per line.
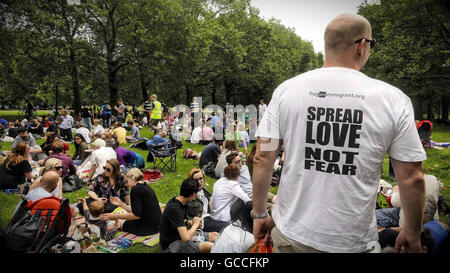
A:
413, 50
94, 52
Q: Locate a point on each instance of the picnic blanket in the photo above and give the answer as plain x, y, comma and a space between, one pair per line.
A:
150, 240
439, 145
152, 175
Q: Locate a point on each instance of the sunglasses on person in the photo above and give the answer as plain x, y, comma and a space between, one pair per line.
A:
107, 169
237, 162
199, 179
58, 168
372, 42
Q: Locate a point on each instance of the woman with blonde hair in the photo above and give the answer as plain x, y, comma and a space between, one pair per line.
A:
201, 205
143, 216
16, 169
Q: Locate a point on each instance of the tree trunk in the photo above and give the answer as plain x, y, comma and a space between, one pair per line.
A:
228, 92
419, 108
56, 96
213, 94
444, 101
188, 94
143, 83
75, 84
113, 91
430, 115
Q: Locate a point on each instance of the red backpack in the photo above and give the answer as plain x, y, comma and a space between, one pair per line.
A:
36, 226
424, 128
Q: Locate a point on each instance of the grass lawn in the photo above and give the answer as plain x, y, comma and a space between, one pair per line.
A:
12, 115
438, 164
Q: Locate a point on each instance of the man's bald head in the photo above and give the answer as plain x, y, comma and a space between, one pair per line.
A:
50, 180
342, 32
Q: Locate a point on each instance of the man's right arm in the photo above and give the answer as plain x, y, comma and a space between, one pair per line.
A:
187, 234
266, 153
412, 197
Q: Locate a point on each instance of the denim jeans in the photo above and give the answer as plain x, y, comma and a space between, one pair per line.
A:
87, 123
106, 119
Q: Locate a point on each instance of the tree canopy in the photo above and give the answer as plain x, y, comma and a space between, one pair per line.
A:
96, 51
413, 51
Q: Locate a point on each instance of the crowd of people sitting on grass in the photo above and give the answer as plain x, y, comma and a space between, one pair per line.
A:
195, 220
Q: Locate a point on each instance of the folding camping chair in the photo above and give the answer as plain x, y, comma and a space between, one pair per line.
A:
163, 158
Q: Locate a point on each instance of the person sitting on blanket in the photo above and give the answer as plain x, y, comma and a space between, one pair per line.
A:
434, 237
99, 157
69, 167
200, 206
54, 165
108, 184
135, 136
174, 236
92, 214
144, 215
47, 185
16, 169
126, 158
119, 133
226, 191
236, 237
81, 150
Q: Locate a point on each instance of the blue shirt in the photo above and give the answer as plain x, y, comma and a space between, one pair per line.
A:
4, 122
158, 140
105, 112
214, 120
135, 131
439, 234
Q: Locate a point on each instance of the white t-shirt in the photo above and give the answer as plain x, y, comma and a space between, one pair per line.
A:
221, 163
201, 195
244, 180
85, 133
225, 193
38, 193
196, 135
233, 239
336, 125
100, 157
98, 130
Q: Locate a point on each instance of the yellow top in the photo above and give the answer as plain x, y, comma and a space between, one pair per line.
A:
156, 112
121, 134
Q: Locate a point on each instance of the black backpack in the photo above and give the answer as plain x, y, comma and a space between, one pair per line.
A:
71, 183
36, 226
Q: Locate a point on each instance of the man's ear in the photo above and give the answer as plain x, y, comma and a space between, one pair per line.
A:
361, 46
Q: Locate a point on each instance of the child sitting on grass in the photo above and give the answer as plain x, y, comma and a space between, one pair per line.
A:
92, 215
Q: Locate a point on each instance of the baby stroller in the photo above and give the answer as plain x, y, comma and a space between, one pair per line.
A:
37, 226
424, 128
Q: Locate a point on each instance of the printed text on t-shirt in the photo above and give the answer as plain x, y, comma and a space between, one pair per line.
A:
338, 127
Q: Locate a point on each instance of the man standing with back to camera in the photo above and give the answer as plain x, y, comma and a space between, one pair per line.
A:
336, 125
